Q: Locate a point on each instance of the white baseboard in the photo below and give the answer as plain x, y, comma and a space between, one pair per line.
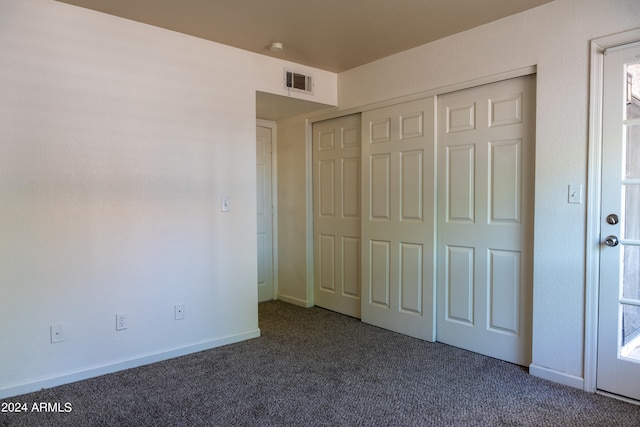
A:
295, 301
70, 377
556, 376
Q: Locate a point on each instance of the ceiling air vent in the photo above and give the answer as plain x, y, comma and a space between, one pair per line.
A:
299, 82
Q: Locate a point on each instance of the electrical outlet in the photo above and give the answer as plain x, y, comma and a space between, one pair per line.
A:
57, 333
178, 311
121, 321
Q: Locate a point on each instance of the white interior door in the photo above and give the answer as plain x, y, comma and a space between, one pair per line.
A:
485, 218
336, 195
264, 205
618, 369
398, 224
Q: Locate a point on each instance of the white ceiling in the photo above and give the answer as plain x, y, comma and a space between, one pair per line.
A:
333, 35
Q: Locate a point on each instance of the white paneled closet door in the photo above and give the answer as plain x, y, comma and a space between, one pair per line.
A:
398, 222
336, 197
486, 139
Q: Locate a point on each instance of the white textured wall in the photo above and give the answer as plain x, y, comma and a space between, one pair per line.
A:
117, 141
555, 37
292, 215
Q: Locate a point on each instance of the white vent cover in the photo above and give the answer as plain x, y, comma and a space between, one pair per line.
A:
297, 81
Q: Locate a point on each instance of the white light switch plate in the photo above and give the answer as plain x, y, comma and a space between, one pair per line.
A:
575, 193
225, 205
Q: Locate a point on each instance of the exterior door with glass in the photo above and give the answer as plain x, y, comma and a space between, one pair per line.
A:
618, 368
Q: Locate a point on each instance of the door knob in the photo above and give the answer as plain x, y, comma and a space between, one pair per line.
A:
611, 241
612, 219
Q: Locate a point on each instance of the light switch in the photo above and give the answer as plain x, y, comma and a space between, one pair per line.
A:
575, 193
225, 205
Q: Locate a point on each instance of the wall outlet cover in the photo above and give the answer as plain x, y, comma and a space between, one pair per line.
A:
178, 311
121, 321
57, 333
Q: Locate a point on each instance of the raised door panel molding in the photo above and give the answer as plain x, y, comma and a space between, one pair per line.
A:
505, 111
327, 255
504, 291
461, 118
505, 172
326, 189
460, 183
411, 277
379, 275
411, 125
351, 266
380, 131
411, 179
380, 187
459, 280
327, 141
351, 188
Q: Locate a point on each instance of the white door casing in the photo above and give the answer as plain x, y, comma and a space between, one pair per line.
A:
264, 208
398, 222
618, 361
336, 180
486, 150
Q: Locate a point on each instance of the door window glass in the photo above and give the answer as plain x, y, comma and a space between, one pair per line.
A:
631, 226
631, 273
630, 331
631, 203
633, 91
632, 152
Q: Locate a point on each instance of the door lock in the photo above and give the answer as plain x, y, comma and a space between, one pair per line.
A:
611, 241
612, 219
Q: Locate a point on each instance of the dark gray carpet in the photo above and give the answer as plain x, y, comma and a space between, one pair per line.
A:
313, 367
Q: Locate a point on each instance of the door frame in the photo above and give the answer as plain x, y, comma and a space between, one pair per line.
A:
274, 199
594, 193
